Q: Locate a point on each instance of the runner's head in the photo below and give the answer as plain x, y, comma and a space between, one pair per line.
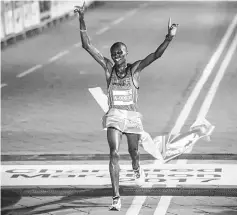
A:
118, 53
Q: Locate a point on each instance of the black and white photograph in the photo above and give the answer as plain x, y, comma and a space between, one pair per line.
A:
119, 107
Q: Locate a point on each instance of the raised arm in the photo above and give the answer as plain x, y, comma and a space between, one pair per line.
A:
86, 43
161, 49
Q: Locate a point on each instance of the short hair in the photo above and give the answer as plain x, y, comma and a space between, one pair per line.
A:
117, 44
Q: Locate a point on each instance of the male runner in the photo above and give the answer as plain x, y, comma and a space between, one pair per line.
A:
123, 116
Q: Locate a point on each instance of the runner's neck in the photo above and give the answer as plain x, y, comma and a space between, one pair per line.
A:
121, 70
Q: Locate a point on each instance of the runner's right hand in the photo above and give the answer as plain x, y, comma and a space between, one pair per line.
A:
80, 9
172, 28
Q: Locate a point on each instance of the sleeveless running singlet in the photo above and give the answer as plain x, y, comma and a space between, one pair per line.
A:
122, 93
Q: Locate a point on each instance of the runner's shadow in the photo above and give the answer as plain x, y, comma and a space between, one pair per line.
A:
225, 212
9, 198
76, 203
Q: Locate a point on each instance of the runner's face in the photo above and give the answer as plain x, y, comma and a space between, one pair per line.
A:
118, 54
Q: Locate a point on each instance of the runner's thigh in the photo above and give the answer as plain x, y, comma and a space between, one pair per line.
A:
132, 141
114, 137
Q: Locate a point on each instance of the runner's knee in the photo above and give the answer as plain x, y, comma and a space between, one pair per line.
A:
114, 154
133, 151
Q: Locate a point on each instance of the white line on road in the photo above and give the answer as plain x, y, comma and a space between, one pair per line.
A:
132, 12
83, 72
212, 91
163, 205
206, 73
33, 69
164, 202
3, 85
57, 56
136, 205
77, 45
101, 31
117, 21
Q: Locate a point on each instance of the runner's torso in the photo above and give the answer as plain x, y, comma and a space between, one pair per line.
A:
122, 93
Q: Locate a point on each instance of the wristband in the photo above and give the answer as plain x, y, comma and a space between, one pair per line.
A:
83, 30
169, 37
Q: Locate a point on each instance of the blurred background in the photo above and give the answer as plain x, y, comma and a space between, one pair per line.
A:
20, 16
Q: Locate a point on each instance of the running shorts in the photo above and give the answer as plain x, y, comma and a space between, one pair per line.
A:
123, 120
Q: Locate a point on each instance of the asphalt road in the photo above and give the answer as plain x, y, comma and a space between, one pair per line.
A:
50, 110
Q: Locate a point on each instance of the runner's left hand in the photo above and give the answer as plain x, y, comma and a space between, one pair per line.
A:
80, 9
172, 28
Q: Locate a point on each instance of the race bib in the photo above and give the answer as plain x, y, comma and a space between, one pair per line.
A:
122, 97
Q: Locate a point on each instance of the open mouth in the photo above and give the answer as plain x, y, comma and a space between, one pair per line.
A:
117, 59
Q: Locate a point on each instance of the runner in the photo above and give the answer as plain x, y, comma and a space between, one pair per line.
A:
122, 85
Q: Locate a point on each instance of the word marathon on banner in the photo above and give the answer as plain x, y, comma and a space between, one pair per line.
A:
188, 174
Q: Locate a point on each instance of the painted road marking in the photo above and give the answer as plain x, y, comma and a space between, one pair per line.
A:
57, 56
206, 73
132, 12
136, 205
83, 72
3, 85
77, 45
163, 205
101, 31
33, 69
164, 202
117, 21
212, 91
98, 175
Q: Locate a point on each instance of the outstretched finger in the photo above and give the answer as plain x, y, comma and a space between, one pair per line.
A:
84, 4
169, 23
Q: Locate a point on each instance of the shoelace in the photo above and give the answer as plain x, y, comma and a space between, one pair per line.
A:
116, 198
115, 201
137, 173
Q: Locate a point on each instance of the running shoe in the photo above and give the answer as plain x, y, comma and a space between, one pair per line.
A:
139, 175
116, 204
